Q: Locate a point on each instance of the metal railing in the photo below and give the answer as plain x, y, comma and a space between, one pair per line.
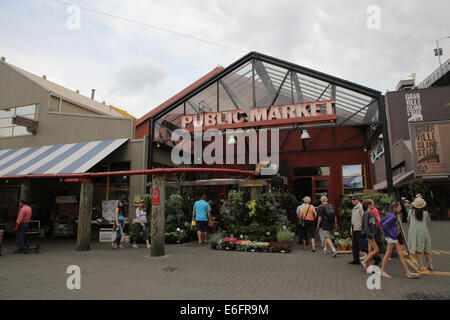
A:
438, 73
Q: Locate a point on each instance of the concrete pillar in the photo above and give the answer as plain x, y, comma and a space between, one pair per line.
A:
25, 191
158, 219
84, 216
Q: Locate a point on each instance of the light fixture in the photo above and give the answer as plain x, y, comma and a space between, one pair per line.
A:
305, 135
232, 140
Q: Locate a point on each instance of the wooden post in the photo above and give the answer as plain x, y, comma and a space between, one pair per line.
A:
25, 191
158, 218
255, 193
84, 216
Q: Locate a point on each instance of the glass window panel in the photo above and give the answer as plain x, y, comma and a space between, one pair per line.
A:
352, 170
6, 113
311, 171
5, 122
6, 132
205, 101
353, 182
320, 193
31, 109
237, 86
321, 183
19, 130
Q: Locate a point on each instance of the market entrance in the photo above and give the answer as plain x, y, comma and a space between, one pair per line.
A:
312, 186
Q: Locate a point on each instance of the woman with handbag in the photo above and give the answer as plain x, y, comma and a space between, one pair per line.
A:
119, 221
307, 223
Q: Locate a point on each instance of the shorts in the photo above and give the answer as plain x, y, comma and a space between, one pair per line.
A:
326, 234
307, 232
202, 226
389, 240
321, 231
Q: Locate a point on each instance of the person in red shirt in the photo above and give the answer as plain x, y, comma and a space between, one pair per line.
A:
22, 224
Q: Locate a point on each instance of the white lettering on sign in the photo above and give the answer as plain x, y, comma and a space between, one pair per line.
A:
290, 111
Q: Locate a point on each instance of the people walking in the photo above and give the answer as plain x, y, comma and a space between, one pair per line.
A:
119, 222
404, 212
378, 240
390, 229
369, 230
307, 219
202, 216
299, 227
419, 237
141, 224
357, 215
327, 222
22, 224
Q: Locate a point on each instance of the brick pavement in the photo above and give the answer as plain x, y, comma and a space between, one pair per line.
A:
189, 271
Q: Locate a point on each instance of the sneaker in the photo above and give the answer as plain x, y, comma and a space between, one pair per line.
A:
353, 262
334, 254
324, 251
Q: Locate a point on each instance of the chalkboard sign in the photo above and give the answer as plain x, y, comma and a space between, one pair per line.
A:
108, 208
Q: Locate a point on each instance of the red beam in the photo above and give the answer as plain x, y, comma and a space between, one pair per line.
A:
129, 173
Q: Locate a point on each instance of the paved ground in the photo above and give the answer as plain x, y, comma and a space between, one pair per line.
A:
192, 272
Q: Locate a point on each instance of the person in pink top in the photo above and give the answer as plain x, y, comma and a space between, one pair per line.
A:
22, 224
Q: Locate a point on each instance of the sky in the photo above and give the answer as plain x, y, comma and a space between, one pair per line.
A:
137, 67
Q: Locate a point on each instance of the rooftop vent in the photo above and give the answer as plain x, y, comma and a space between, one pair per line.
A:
78, 91
44, 77
3, 59
92, 94
104, 102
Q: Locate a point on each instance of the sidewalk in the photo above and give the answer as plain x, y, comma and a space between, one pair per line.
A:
190, 271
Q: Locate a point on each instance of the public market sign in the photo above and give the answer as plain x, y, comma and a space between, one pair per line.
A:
289, 112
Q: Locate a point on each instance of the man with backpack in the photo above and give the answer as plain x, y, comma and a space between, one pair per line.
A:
327, 221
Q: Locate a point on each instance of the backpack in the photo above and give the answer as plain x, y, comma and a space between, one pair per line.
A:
330, 214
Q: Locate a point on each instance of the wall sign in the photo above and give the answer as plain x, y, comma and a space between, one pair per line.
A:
378, 151
413, 107
431, 148
289, 111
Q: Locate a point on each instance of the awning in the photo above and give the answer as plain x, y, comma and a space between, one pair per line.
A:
399, 181
56, 159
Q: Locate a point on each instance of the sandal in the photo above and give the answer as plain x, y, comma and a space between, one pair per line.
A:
430, 267
413, 276
385, 275
364, 265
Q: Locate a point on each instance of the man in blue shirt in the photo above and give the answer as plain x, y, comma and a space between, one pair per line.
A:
202, 215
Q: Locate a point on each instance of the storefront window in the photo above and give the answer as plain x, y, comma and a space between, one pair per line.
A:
353, 176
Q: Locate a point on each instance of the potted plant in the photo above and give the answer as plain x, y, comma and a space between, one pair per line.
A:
214, 241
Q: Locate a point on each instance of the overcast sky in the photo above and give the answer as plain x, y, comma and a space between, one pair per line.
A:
136, 68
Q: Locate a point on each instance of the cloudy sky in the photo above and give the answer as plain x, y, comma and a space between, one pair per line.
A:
136, 67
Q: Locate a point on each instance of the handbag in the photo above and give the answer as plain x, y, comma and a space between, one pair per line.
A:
303, 223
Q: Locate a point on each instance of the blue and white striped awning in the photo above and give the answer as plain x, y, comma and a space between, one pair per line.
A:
56, 159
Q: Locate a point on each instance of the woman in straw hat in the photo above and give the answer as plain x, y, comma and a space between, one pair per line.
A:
418, 235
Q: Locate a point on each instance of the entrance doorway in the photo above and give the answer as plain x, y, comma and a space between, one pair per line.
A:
313, 186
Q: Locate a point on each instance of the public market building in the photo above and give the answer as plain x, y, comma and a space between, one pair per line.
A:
327, 126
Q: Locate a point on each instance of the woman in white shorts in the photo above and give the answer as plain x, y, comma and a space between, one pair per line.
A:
389, 227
